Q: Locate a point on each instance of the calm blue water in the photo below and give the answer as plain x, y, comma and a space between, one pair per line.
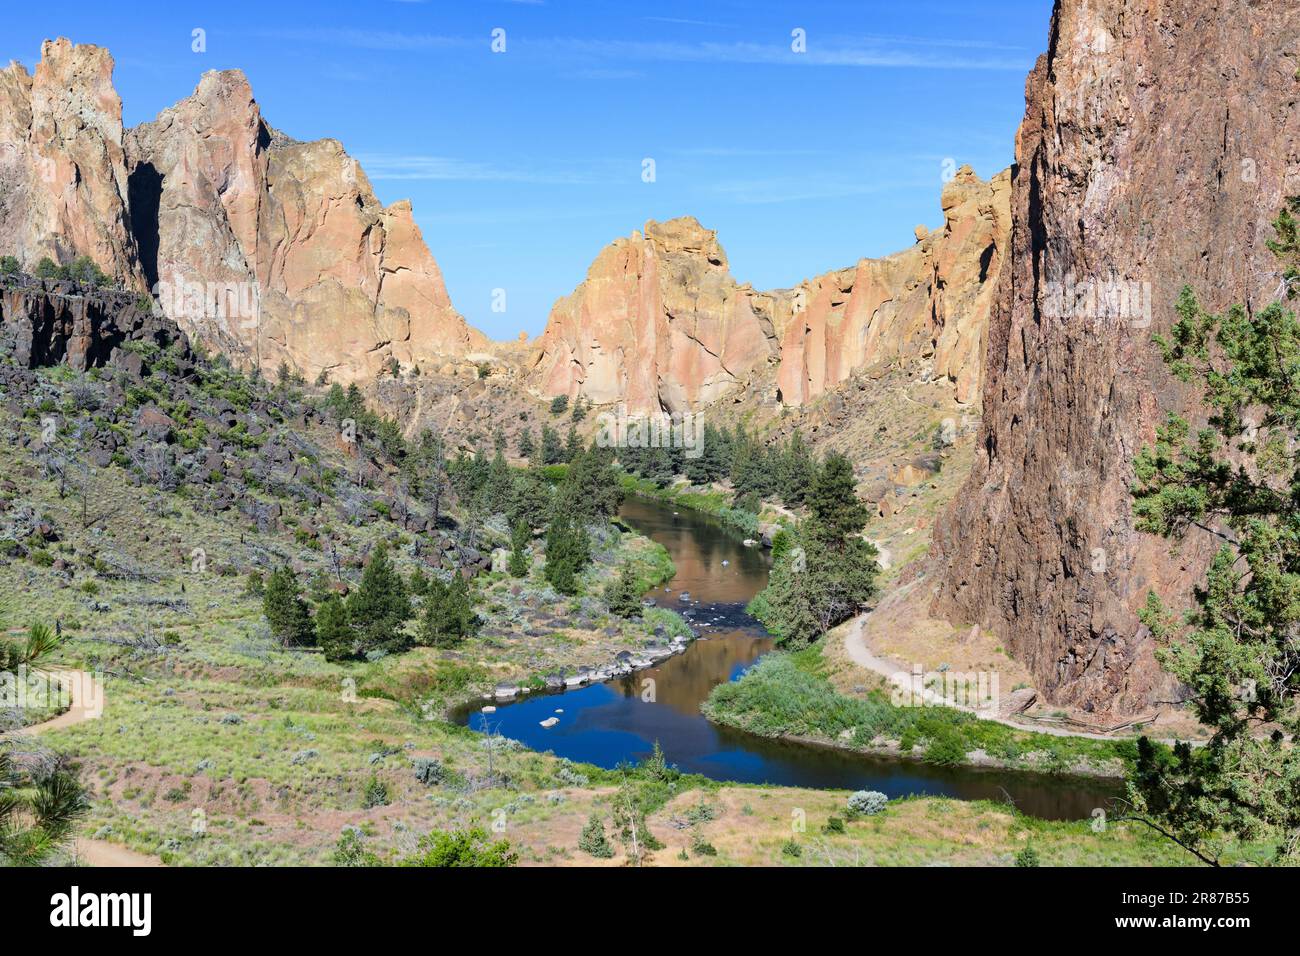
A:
607, 724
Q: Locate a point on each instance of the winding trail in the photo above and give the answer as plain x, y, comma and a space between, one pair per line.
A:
855, 645
86, 696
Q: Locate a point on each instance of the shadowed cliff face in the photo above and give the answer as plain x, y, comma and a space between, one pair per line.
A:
660, 323
1159, 139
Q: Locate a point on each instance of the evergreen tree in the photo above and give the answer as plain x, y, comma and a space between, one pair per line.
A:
448, 615
714, 461
499, 485
1237, 480
795, 471
572, 444
817, 584
527, 445
833, 499
531, 500
333, 631
623, 595
552, 450
286, 611
520, 536
590, 490
568, 551
379, 606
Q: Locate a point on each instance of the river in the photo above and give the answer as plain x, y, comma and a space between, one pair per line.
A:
606, 724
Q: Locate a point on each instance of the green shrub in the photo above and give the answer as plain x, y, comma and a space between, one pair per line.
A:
376, 794
1028, 856
593, 840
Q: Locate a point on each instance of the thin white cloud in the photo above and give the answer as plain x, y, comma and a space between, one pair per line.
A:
391, 166
880, 51
866, 53
372, 39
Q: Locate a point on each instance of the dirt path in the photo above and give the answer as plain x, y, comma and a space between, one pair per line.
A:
855, 645
86, 695
87, 701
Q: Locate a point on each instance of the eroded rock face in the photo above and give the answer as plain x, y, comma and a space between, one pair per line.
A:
51, 322
261, 247
1158, 143
659, 323
311, 268
63, 176
930, 301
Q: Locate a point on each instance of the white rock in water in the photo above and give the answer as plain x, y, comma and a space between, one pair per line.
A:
749, 542
550, 722
559, 710
489, 709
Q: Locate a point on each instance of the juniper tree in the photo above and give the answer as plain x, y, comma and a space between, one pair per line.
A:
527, 444
379, 607
568, 551
286, 611
520, 536
334, 633
1237, 649
552, 450
448, 614
623, 595
834, 502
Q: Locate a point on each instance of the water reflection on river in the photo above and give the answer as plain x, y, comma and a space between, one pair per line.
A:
609, 723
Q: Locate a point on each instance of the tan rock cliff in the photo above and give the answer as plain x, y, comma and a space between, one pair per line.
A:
929, 301
63, 175
658, 323
341, 283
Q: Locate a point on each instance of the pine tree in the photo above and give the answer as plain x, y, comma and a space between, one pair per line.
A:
520, 536
833, 499
527, 445
568, 551
572, 444
333, 631
795, 471
286, 611
623, 595
552, 450
448, 615
1238, 481
380, 606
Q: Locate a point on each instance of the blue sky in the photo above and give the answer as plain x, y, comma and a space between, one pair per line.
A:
522, 165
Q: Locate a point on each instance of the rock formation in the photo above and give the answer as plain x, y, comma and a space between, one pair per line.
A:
338, 282
267, 249
56, 322
658, 323
63, 175
1158, 142
930, 301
